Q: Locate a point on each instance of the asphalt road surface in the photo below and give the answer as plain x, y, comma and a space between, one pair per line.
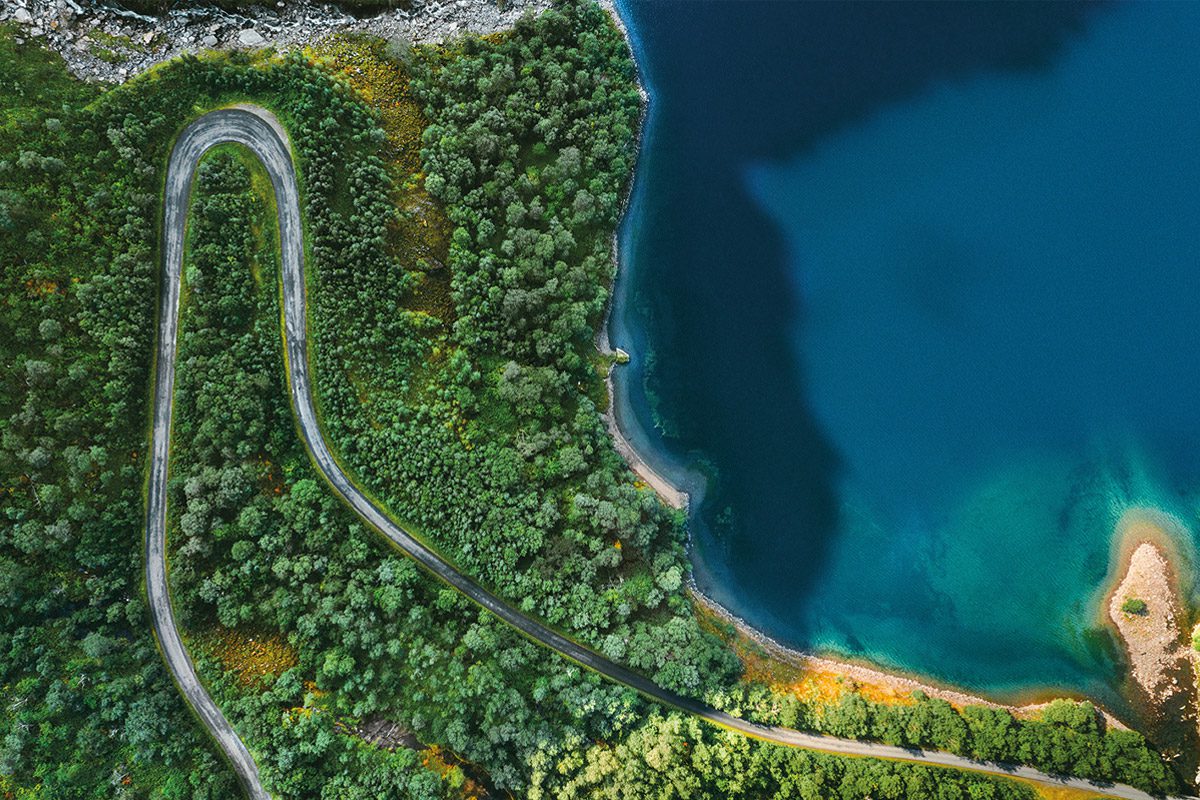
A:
258, 130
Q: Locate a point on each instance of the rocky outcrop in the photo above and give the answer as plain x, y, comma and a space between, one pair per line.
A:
384, 733
1143, 609
107, 42
1147, 609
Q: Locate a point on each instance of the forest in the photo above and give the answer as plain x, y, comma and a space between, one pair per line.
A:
459, 204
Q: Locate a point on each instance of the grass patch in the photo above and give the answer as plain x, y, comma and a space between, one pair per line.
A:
1134, 605
106, 55
109, 40
420, 238
113, 48
254, 658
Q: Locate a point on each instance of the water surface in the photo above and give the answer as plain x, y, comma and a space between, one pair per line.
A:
915, 287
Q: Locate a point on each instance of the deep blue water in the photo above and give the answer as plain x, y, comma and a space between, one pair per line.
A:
914, 291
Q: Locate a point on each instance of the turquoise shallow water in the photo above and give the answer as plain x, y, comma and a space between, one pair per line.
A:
916, 288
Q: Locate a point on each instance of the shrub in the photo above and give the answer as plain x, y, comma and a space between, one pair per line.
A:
1134, 605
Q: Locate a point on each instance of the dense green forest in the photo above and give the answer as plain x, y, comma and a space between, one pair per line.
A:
459, 206
476, 420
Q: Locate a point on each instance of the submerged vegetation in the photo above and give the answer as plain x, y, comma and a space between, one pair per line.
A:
459, 204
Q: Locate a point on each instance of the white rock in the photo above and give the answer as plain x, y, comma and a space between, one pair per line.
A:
22, 16
251, 38
209, 41
147, 38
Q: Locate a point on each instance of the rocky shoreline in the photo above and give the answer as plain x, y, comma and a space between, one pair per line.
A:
1146, 607
102, 41
862, 676
1151, 628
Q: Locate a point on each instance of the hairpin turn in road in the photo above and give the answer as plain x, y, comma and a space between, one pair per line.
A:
259, 131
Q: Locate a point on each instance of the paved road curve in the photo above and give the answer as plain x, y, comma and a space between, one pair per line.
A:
259, 131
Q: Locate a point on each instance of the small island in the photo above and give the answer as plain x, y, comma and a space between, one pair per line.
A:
1148, 610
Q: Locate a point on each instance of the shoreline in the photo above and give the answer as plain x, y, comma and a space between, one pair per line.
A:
1156, 640
1144, 534
668, 492
865, 672
671, 495
1142, 526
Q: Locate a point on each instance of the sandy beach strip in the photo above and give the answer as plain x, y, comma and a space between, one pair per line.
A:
669, 494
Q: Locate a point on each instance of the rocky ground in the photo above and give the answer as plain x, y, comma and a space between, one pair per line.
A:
386, 734
104, 41
1154, 637
1154, 632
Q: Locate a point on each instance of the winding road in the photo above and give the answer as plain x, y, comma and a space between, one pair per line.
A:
259, 131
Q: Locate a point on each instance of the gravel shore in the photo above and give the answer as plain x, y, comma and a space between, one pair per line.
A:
1154, 637
1147, 608
875, 681
109, 43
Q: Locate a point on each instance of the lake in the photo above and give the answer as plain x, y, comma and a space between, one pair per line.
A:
913, 298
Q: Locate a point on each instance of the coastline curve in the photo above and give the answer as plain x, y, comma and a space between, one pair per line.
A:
257, 129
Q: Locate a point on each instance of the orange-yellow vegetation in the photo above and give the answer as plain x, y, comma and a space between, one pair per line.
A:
313, 704
421, 236
433, 759
437, 760
41, 287
1056, 792
270, 480
497, 37
382, 82
809, 683
10, 791
250, 656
